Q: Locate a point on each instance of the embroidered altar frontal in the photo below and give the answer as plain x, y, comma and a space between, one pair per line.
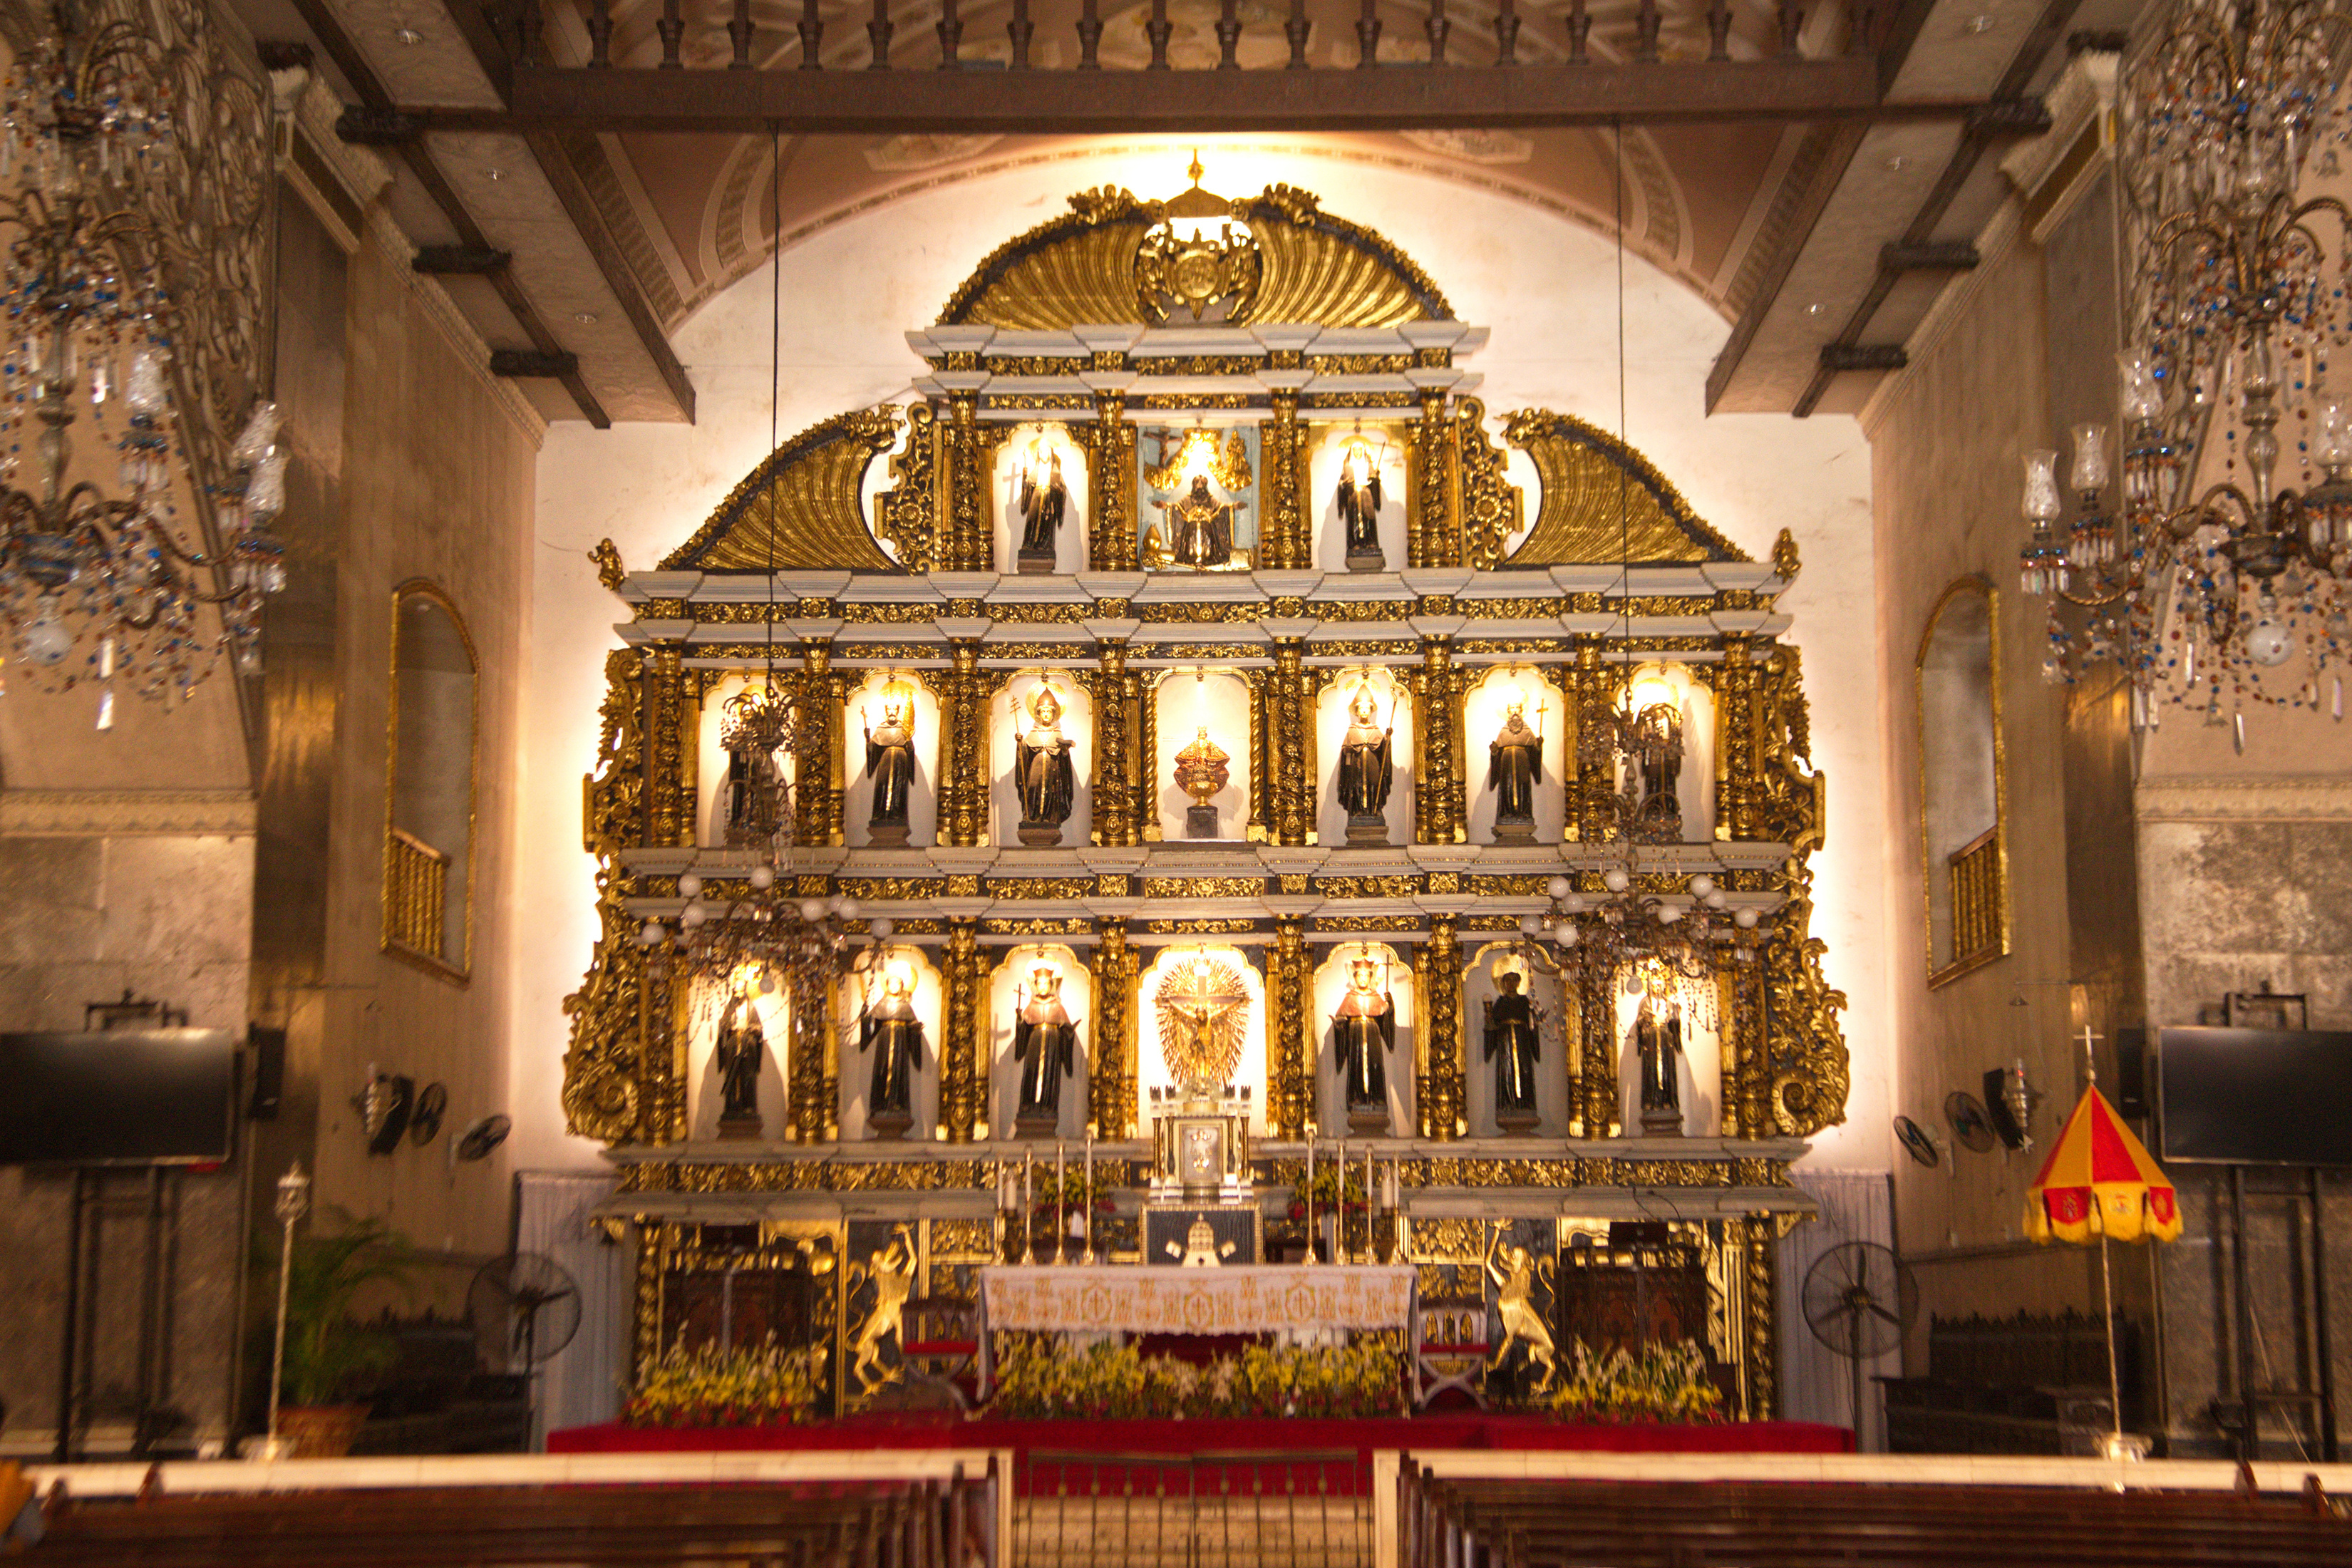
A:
1240, 1300
1205, 761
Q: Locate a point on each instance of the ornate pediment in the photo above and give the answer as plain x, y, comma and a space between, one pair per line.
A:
800, 509
1276, 256
1602, 501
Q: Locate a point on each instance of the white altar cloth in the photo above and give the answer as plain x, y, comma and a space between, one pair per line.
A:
1236, 1299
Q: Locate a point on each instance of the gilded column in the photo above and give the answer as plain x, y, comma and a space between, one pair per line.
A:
661, 1089
1592, 811
1111, 526
1441, 1093
1761, 1345
668, 759
816, 747
653, 1257
963, 792
1597, 1007
966, 545
1294, 785
1735, 721
1261, 755
1110, 1082
1433, 534
1437, 795
1291, 1029
807, 1105
1289, 537
1114, 781
961, 1091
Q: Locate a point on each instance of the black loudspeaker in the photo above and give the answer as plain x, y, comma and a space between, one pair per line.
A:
268, 1072
2131, 1071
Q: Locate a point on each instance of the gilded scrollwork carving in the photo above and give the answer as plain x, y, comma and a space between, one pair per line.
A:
963, 1080
1111, 531
1292, 1098
1491, 508
1111, 1081
1441, 1092
1288, 530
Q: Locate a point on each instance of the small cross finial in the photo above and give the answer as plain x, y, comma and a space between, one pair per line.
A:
1195, 170
2090, 1067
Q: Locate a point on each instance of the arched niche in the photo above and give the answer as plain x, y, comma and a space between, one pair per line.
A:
1395, 702
711, 801
1033, 448
1186, 702
428, 844
1151, 1064
1672, 684
1556, 1040
1013, 714
1963, 792
1383, 445
1330, 984
708, 1011
1008, 991
865, 707
1484, 710
1699, 1072
860, 990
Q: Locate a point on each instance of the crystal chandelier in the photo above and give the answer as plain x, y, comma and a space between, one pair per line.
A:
2207, 597
1630, 927
98, 582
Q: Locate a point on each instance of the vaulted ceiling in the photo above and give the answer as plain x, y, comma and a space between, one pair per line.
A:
581, 231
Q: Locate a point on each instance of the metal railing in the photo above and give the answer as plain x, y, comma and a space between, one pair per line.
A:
1308, 1509
415, 894
1975, 871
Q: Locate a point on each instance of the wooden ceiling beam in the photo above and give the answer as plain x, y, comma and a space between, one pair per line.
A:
1076, 102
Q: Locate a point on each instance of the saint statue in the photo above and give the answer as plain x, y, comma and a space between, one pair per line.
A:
1658, 759
1512, 1047
1045, 1044
741, 1052
754, 727
1200, 527
1359, 508
890, 763
1363, 1032
1041, 502
1658, 1034
1514, 768
1365, 769
892, 1032
1043, 776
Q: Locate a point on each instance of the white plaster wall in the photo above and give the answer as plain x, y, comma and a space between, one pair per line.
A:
1545, 286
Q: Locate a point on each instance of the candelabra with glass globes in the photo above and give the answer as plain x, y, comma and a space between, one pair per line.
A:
86, 277
1627, 926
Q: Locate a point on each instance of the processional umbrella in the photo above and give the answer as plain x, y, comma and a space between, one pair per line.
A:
2101, 1180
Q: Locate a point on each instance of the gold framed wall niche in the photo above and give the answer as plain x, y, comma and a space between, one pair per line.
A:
432, 746
1963, 782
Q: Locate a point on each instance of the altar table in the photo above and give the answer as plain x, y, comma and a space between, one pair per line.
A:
1234, 1299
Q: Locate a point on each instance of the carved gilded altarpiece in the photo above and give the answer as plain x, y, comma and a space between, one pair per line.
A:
1193, 382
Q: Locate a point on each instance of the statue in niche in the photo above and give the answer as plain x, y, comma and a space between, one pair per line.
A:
742, 1053
1367, 768
1045, 1044
1200, 773
1359, 508
1514, 768
1200, 527
890, 763
1041, 501
1363, 1032
1658, 1036
892, 1032
1658, 765
754, 799
1043, 775
1512, 1046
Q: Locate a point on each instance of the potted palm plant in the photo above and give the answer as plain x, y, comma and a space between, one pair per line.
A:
331, 1355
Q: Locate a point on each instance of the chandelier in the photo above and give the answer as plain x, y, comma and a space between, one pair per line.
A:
2231, 595
1631, 927
98, 581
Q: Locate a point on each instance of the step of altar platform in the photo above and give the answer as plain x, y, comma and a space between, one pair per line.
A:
1149, 1531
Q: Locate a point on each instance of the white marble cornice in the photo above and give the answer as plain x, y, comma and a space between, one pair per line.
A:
109, 814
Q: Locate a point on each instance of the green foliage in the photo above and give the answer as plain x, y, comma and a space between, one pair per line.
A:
1039, 1376
1664, 1383
329, 1355
726, 1387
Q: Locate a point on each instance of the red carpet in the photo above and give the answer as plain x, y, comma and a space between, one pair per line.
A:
1468, 1430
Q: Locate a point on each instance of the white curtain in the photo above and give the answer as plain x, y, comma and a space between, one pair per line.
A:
580, 1387
1816, 1382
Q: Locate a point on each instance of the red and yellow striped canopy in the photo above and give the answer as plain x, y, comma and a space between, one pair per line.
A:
2100, 1181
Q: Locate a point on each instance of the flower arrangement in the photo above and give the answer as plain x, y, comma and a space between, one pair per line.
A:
1072, 1198
1661, 1383
1328, 1187
733, 1386
1040, 1378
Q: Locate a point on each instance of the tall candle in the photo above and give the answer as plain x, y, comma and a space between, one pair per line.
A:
1088, 1203
1310, 1196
